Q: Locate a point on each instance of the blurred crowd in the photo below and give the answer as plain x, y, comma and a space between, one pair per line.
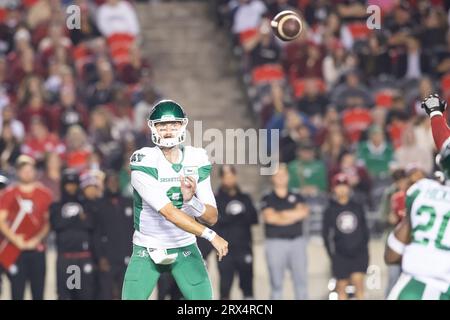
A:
72, 95
345, 96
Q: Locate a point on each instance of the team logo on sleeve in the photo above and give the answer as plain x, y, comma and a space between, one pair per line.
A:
346, 222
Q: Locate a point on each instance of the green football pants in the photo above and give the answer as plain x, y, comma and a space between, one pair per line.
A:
409, 288
188, 270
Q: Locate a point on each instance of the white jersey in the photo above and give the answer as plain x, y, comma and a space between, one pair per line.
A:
156, 182
427, 257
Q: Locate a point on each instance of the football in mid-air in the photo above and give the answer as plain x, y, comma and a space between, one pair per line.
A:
287, 25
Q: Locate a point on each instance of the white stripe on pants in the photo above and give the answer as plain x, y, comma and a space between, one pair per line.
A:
289, 254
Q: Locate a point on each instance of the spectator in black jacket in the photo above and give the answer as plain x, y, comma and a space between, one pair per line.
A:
73, 227
237, 215
346, 238
91, 184
115, 222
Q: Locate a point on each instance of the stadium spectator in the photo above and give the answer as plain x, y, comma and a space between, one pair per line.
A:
116, 17
336, 64
308, 65
237, 214
9, 148
334, 145
73, 226
101, 135
136, 67
264, 55
411, 151
40, 141
374, 59
307, 174
290, 139
115, 224
8, 116
88, 29
346, 237
247, 15
352, 88
414, 63
35, 108
69, 112
313, 103
283, 213
400, 23
51, 175
376, 153
355, 119
432, 35
78, 149
102, 91
357, 175
26, 205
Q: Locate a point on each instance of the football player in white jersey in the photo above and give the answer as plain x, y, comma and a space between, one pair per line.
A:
421, 241
171, 189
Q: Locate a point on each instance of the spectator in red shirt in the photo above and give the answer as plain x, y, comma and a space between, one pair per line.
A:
26, 204
310, 65
40, 141
355, 119
78, 149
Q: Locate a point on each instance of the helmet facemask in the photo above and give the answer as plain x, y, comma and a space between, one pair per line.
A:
160, 141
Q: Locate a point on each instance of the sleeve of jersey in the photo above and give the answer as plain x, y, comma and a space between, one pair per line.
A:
204, 191
412, 193
149, 189
440, 130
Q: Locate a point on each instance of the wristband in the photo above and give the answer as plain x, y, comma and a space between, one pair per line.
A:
396, 245
208, 234
435, 113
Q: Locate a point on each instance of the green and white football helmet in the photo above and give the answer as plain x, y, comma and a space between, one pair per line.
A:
167, 111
